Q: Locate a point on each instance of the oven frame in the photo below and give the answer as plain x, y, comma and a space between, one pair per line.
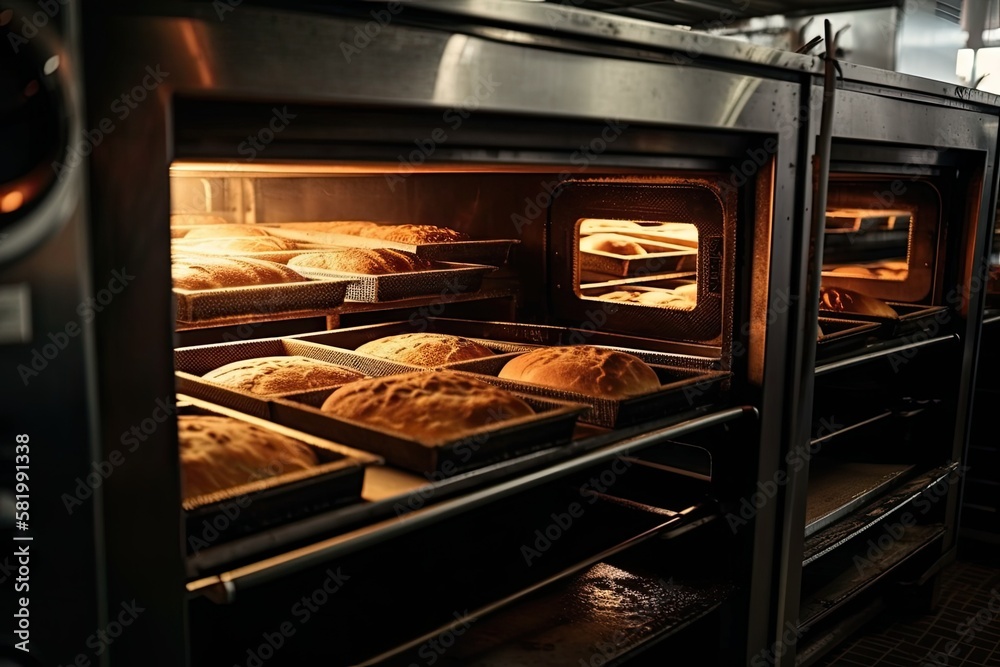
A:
551, 74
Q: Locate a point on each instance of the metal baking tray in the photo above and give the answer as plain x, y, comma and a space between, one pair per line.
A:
236, 511
681, 388
191, 363
448, 279
912, 318
518, 336
551, 426
837, 488
671, 259
841, 335
493, 252
213, 305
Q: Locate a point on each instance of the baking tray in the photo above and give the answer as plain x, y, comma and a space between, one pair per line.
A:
841, 335
493, 252
837, 488
254, 506
681, 388
212, 306
673, 259
913, 318
517, 336
191, 363
551, 426
592, 292
450, 278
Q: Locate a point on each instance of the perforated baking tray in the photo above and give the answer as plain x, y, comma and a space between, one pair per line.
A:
913, 318
236, 511
448, 279
211, 305
493, 252
680, 389
843, 336
550, 426
191, 363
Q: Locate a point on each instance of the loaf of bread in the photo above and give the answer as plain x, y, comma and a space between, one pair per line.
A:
372, 261
841, 300
225, 231
236, 245
681, 297
430, 407
198, 273
425, 349
267, 376
414, 234
616, 244
594, 371
184, 219
220, 452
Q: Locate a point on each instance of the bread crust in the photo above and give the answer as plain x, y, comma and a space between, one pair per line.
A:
430, 407
425, 349
237, 245
372, 261
220, 452
616, 244
267, 376
584, 369
225, 231
199, 273
414, 234
840, 300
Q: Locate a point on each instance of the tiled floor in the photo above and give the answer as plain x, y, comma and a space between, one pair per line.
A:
964, 631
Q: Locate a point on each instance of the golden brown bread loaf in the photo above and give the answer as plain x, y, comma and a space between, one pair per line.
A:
351, 227
267, 376
197, 273
373, 261
846, 301
613, 243
225, 231
183, 219
425, 349
413, 233
681, 297
584, 369
236, 245
430, 407
220, 453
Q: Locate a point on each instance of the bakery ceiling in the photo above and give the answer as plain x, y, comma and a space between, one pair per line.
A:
711, 12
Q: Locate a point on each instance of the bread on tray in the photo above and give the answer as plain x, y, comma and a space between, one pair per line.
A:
200, 273
224, 231
220, 452
267, 376
616, 244
235, 245
412, 234
840, 300
430, 407
584, 369
372, 261
425, 349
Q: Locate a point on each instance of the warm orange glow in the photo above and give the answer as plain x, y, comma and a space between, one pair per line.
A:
258, 169
194, 47
11, 201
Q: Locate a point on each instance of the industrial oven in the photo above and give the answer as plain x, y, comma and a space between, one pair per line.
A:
702, 521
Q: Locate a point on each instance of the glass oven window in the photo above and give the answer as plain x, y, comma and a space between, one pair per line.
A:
868, 243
